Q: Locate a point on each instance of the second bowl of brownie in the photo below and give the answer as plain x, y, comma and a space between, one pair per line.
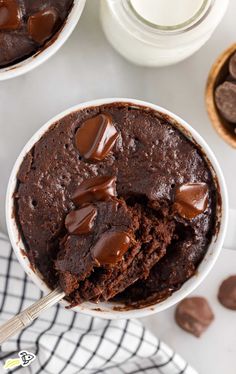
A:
32, 31
120, 203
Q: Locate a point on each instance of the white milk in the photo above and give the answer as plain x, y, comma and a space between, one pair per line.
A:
167, 12
160, 32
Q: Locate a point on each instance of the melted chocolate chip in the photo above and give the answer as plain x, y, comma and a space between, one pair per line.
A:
191, 199
232, 66
227, 293
111, 247
10, 15
95, 189
41, 25
225, 97
194, 315
96, 137
81, 221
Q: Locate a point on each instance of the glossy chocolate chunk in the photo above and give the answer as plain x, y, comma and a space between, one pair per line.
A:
111, 247
194, 315
232, 66
10, 15
41, 25
227, 293
225, 97
96, 137
81, 221
191, 199
95, 189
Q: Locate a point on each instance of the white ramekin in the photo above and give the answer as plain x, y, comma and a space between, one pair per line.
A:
106, 309
44, 54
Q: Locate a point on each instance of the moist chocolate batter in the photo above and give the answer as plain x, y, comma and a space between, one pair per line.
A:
26, 26
115, 202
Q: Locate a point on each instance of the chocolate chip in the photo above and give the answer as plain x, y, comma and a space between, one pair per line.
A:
227, 293
232, 66
81, 221
41, 25
225, 97
194, 315
191, 199
95, 189
96, 137
10, 15
111, 247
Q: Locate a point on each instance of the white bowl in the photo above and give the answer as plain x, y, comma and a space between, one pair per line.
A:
41, 56
106, 309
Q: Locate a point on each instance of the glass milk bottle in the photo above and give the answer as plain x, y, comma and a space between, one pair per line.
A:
160, 32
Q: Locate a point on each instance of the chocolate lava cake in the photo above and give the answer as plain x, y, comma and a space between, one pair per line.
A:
114, 202
26, 26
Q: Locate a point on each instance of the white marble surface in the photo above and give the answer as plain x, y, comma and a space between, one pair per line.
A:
88, 68
215, 351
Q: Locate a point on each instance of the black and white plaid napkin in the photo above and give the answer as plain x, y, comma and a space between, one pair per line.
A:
66, 342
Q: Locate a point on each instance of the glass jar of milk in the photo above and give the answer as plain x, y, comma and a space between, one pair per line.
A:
160, 32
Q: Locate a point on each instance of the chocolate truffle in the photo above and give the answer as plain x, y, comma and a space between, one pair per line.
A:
232, 66
227, 293
194, 315
225, 96
98, 218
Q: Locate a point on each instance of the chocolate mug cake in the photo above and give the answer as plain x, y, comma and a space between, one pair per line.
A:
26, 27
115, 203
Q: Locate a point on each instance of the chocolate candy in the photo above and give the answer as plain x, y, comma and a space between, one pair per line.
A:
96, 137
81, 221
225, 97
191, 199
194, 315
41, 25
10, 15
95, 189
111, 247
227, 293
232, 66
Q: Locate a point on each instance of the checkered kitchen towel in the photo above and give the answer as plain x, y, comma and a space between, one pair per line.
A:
66, 342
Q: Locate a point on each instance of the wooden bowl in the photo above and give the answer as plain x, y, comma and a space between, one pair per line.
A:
218, 75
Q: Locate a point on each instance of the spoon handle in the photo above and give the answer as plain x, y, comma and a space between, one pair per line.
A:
23, 319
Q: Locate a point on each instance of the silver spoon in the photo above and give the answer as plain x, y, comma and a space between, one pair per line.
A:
23, 319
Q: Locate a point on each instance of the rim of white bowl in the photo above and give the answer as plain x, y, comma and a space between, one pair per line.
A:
44, 54
106, 309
